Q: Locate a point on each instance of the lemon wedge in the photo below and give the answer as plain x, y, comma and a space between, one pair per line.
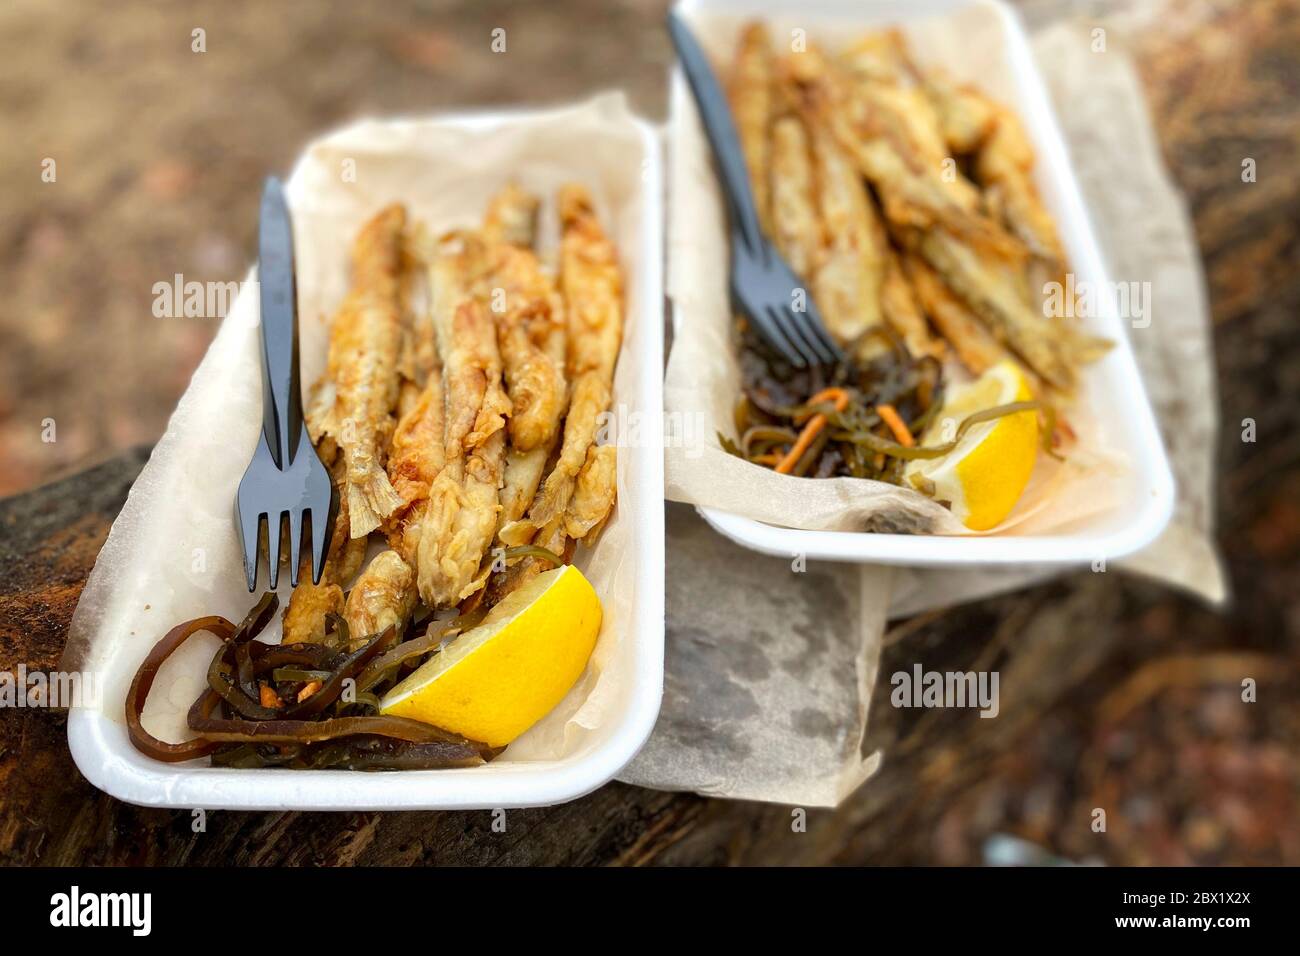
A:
984, 476
498, 679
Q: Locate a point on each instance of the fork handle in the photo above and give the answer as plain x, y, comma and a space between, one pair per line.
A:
721, 129
281, 393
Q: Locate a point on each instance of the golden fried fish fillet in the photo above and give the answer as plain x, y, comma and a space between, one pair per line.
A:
796, 227
592, 285
974, 345
593, 495
996, 294
384, 596
464, 498
847, 285
1004, 165
304, 616
355, 410
512, 217
751, 95
529, 318
876, 133
964, 116
415, 460
904, 314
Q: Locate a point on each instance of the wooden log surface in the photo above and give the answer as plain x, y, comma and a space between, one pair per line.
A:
1121, 686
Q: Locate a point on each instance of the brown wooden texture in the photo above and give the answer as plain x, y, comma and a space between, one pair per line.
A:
1123, 693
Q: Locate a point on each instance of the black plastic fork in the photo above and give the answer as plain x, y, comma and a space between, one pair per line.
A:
285, 481
763, 286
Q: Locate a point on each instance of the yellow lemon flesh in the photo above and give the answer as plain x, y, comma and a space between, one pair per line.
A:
984, 476
498, 679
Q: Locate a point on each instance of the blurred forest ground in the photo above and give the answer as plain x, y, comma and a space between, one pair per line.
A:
160, 153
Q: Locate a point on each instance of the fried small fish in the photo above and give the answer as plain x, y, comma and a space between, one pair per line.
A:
530, 332
415, 460
463, 499
965, 117
903, 313
523, 475
796, 226
891, 87
995, 293
873, 129
512, 217
383, 597
355, 411
751, 95
529, 315
593, 289
974, 345
1004, 166
847, 285
304, 616
419, 353
593, 496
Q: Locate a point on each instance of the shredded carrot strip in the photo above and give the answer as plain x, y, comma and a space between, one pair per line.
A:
770, 459
890, 416
308, 689
812, 428
841, 397
267, 696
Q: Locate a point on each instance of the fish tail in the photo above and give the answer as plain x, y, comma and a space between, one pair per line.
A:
554, 498
370, 501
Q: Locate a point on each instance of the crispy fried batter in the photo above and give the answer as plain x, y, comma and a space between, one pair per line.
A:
355, 411
904, 314
874, 131
797, 230
530, 330
463, 498
593, 497
964, 116
512, 217
304, 616
592, 286
996, 294
1004, 165
751, 94
848, 281
419, 353
531, 334
384, 596
414, 463
888, 83
974, 344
